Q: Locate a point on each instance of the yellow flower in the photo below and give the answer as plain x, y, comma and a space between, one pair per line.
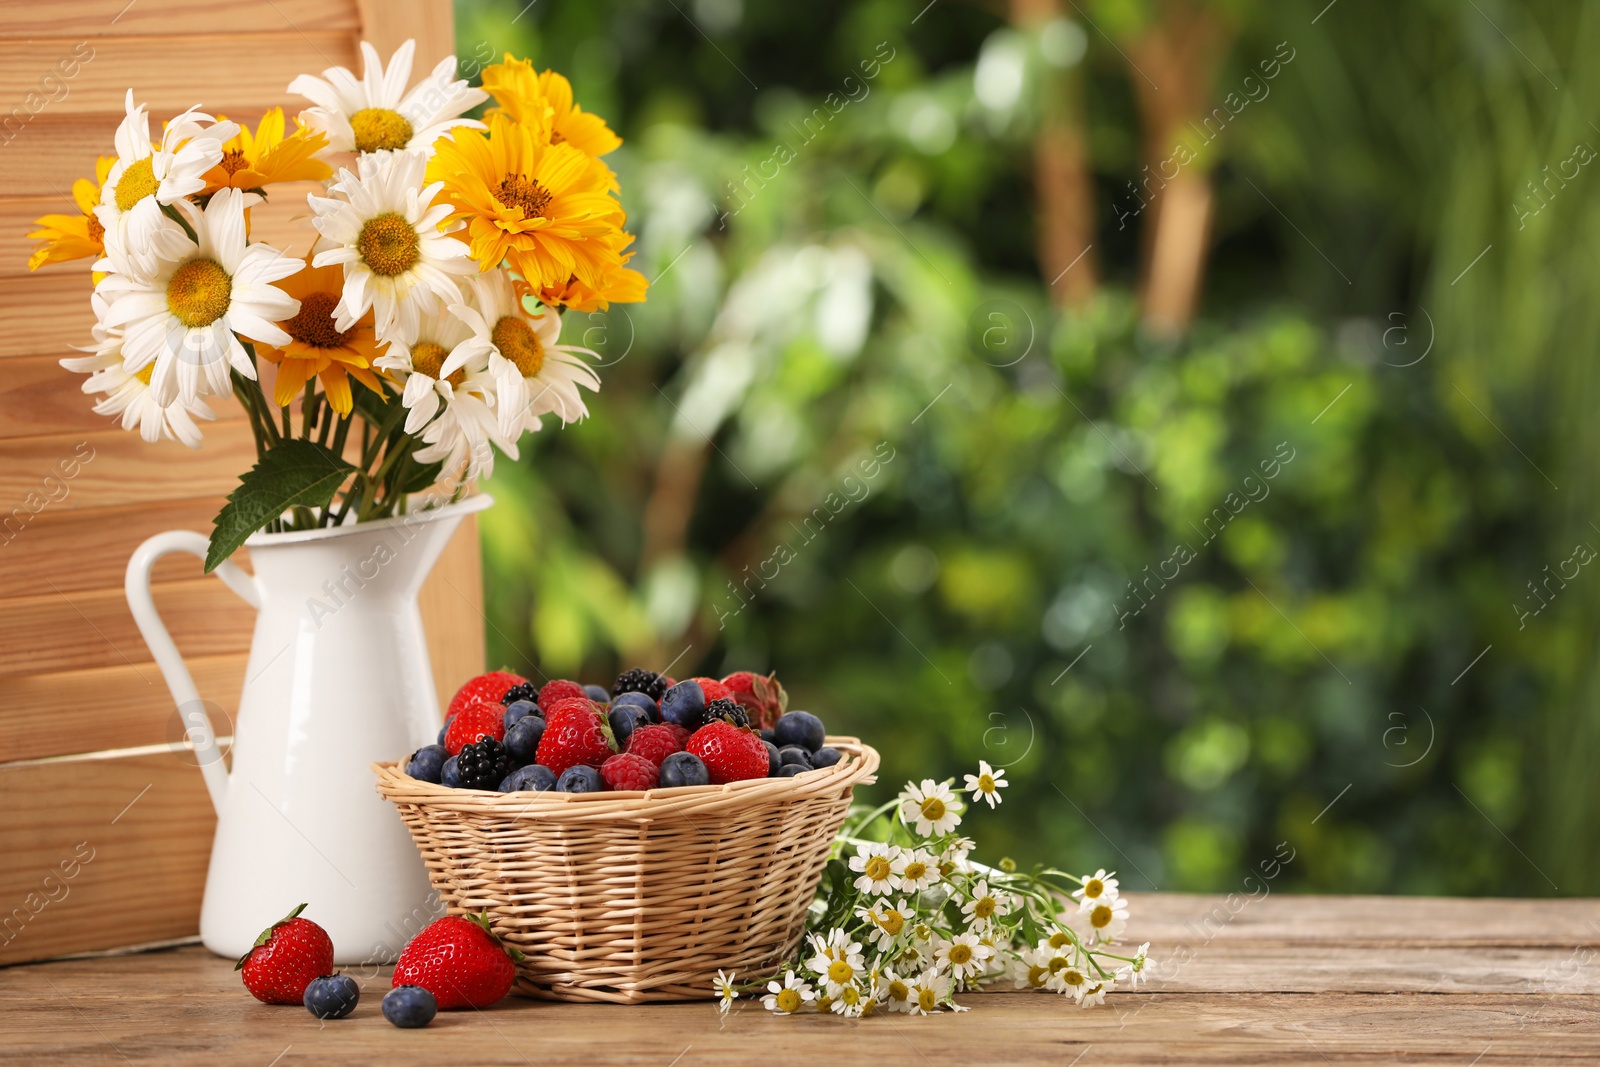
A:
251, 161
317, 347
544, 207
64, 237
545, 102
621, 286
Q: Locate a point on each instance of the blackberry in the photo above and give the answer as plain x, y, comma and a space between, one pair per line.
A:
482, 765
639, 680
727, 710
521, 691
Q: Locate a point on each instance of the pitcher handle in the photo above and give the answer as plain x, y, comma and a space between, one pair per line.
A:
197, 723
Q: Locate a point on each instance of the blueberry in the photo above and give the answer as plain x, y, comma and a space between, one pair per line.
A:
789, 770
768, 734
800, 728
580, 779
774, 759
826, 757
409, 1006
625, 718
533, 777
641, 699
426, 763
684, 704
443, 728
450, 773
333, 996
522, 740
519, 710
599, 693
683, 768
794, 754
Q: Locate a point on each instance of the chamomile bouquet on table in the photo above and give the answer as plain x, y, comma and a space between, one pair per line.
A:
417, 337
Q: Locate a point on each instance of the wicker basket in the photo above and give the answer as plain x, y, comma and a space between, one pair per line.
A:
633, 897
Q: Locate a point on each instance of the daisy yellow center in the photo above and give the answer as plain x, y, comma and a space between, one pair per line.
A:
1093, 888
898, 990
1059, 939
1073, 977
517, 342
892, 922
1037, 975
960, 955
924, 931
233, 162
148, 372
199, 292
946, 868
840, 971
428, 358
984, 908
1100, 917
789, 1000
136, 183
529, 195
877, 868
986, 783
379, 128
824, 1002
850, 995
388, 244
1056, 963
916, 870
933, 809
313, 324
927, 1000
97, 231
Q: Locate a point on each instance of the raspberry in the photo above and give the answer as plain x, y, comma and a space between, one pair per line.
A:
629, 771
575, 735
681, 733
762, 698
713, 689
655, 743
559, 689
477, 721
730, 753
485, 687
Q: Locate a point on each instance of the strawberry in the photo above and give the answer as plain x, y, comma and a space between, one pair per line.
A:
460, 961
285, 958
762, 697
730, 753
713, 689
475, 722
559, 689
655, 743
575, 734
629, 771
485, 688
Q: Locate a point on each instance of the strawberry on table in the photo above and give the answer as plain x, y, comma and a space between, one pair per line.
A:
460, 961
286, 958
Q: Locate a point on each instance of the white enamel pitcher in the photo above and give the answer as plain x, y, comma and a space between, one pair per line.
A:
338, 677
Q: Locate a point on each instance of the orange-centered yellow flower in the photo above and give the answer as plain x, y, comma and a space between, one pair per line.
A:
317, 347
250, 161
544, 101
542, 207
64, 237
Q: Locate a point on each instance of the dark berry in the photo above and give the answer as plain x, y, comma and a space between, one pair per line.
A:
409, 1006
448, 720
768, 734
580, 779
774, 760
519, 710
683, 768
482, 764
624, 719
597, 693
426, 763
639, 700
333, 996
450, 773
684, 704
521, 691
639, 680
534, 777
789, 770
826, 757
800, 728
794, 754
726, 709
522, 740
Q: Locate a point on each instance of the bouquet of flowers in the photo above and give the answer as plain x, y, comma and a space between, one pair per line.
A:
904, 919
428, 307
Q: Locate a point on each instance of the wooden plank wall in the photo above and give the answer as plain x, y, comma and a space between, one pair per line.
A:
76, 681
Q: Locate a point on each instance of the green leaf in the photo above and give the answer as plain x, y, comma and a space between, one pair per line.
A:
295, 473
419, 478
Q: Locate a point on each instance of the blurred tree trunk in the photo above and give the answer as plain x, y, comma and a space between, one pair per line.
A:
1173, 64
1063, 184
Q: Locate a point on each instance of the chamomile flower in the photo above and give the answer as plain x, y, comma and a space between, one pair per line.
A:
1098, 888
1134, 973
1067, 978
953, 860
847, 1000
929, 991
182, 319
726, 993
888, 922
1096, 993
984, 906
894, 991
1031, 968
874, 863
931, 807
383, 227
375, 113
789, 996
837, 960
1108, 919
452, 413
917, 869
986, 784
963, 955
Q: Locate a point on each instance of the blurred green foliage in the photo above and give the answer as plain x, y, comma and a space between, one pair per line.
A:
1071, 557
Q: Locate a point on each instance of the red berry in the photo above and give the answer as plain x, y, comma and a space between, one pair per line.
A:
713, 689
730, 753
484, 689
762, 697
655, 742
473, 724
680, 733
285, 958
559, 689
459, 961
629, 771
575, 734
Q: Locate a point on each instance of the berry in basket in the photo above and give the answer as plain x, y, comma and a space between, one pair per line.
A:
485, 688
762, 697
628, 771
624, 719
655, 743
684, 704
475, 723
557, 690
683, 769
522, 740
730, 753
639, 680
482, 765
726, 710
581, 778
576, 733
800, 728
459, 961
426, 763
532, 778
642, 701
518, 710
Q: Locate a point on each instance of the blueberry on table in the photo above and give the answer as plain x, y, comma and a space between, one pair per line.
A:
426, 763
580, 779
826, 757
685, 705
333, 996
533, 777
522, 740
409, 1006
800, 728
683, 768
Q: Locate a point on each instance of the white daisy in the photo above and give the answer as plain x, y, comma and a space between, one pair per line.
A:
375, 113
895, 992
1134, 973
183, 317
789, 996
847, 1000
931, 806
1098, 888
987, 783
1031, 968
954, 857
929, 991
888, 922
384, 228
873, 861
726, 993
962, 955
533, 375
983, 906
1096, 993
1108, 919
837, 960
917, 869
417, 366
1067, 978
146, 176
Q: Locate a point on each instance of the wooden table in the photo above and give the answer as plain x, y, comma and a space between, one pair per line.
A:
1280, 979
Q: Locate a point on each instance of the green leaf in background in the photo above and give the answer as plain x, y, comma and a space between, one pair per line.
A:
294, 474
